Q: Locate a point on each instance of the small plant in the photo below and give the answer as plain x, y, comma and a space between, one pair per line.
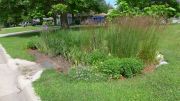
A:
81, 73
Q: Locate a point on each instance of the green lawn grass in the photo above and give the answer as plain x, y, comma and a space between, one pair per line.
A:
19, 29
16, 46
161, 85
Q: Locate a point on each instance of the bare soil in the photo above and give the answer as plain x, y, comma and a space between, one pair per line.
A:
46, 61
149, 68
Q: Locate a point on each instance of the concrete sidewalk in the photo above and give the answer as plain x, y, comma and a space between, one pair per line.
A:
13, 85
19, 33
26, 32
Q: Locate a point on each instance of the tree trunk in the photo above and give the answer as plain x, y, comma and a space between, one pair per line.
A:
55, 18
64, 22
73, 18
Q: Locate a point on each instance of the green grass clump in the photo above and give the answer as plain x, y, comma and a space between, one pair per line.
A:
34, 43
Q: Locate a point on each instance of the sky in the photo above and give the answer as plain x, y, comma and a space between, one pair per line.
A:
112, 2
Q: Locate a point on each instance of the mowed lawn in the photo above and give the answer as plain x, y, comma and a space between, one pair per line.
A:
16, 46
160, 85
19, 29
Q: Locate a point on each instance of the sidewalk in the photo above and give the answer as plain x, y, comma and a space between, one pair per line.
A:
19, 33
13, 85
25, 32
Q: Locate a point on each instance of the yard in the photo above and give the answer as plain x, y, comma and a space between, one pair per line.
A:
90, 50
160, 85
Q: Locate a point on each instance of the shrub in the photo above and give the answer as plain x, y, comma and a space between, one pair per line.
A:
131, 66
111, 67
82, 73
126, 67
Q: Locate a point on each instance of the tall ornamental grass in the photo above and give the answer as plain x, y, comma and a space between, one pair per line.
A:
124, 37
134, 37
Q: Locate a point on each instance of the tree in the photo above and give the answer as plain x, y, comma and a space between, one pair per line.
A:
80, 6
12, 11
136, 3
159, 11
15, 11
60, 9
155, 8
146, 3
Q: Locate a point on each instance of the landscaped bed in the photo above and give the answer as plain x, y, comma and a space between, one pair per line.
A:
162, 84
118, 50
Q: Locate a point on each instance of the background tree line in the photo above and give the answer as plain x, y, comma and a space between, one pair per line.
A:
15, 11
155, 8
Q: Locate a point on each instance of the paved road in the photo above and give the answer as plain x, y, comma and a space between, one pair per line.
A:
12, 87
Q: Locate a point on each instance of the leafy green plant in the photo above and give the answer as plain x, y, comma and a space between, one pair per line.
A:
111, 67
95, 57
126, 67
131, 66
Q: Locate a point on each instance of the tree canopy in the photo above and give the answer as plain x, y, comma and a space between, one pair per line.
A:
156, 8
15, 11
